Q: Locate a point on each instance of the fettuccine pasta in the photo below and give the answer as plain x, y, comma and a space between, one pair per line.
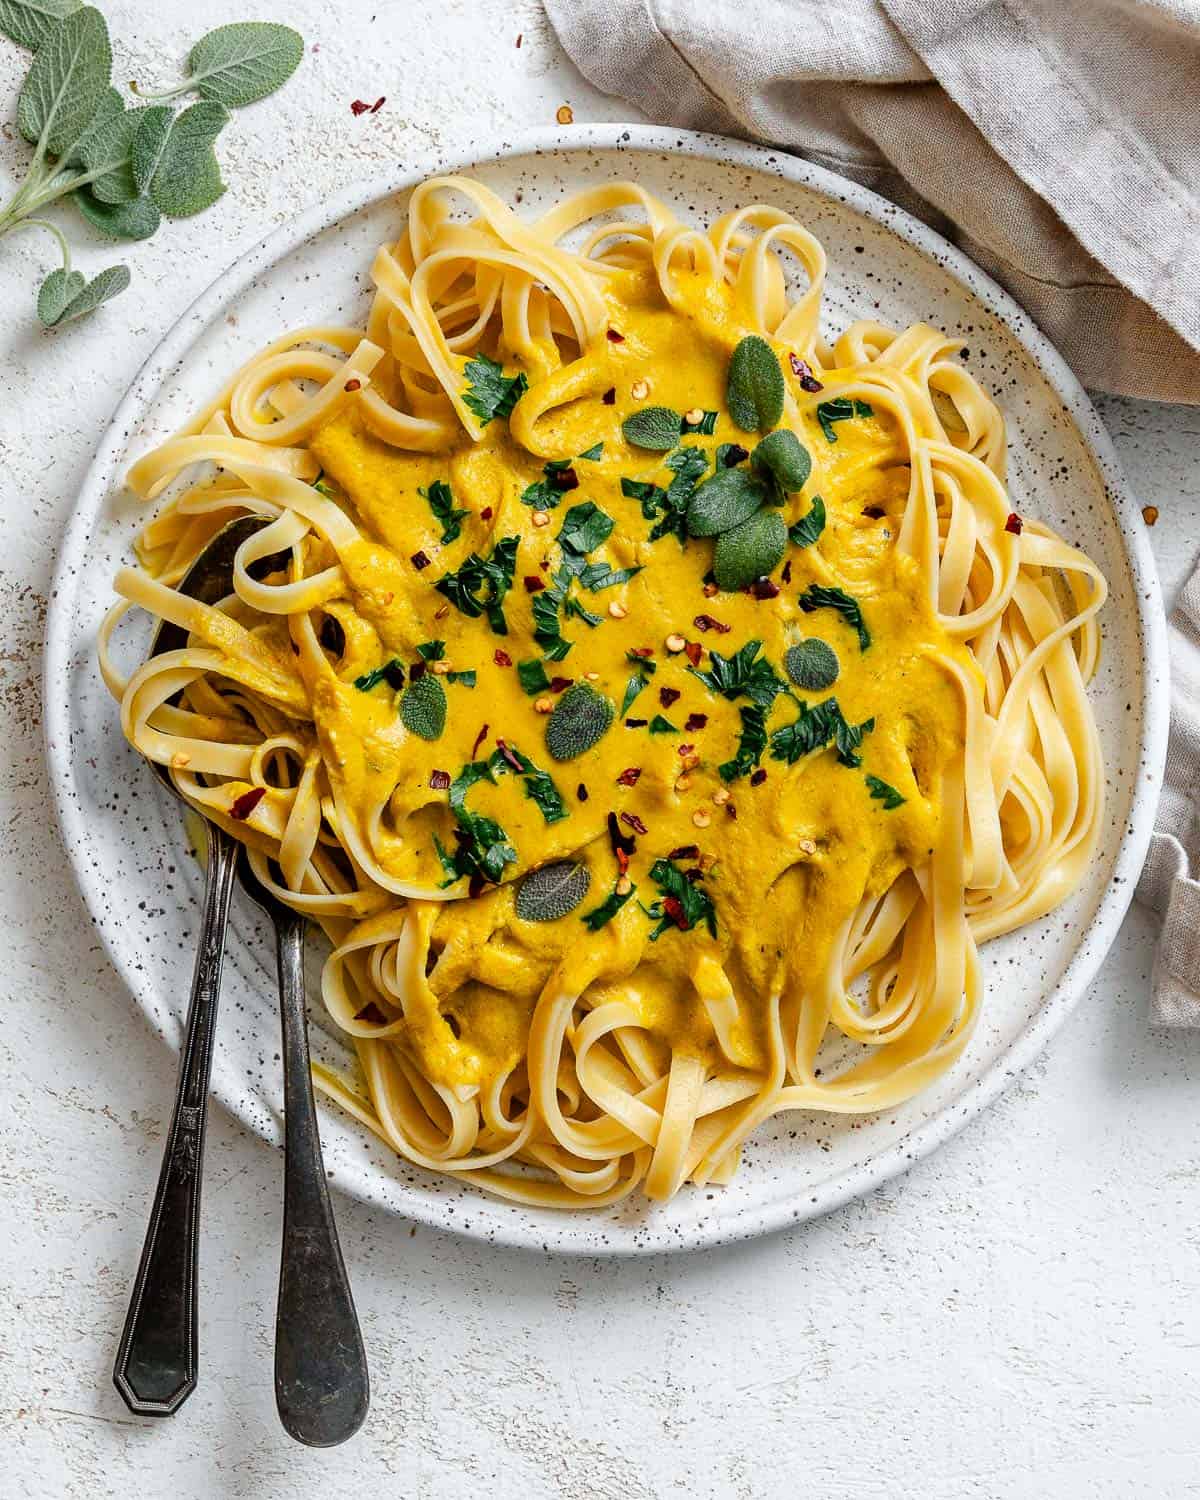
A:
654, 704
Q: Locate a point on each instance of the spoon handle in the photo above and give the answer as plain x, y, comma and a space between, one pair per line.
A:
156, 1363
322, 1388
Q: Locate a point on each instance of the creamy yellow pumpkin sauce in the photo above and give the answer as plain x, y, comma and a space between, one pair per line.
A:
794, 855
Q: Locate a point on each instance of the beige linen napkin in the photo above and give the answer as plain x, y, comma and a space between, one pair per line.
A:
1056, 141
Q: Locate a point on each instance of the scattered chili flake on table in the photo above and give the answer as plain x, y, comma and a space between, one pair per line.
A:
1149, 514
1013, 524
379, 103
439, 780
565, 115
520, 34
479, 739
803, 373
419, 560
244, 805
501, 658
359, 107
629, 776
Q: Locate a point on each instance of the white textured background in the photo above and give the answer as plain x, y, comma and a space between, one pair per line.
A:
1018, 1317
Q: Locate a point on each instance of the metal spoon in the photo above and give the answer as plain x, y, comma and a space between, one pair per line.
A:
322, 1388
155, 1370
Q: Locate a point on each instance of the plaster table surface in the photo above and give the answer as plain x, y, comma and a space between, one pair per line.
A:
1019, 1316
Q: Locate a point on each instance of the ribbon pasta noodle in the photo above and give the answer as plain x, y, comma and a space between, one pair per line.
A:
617, 857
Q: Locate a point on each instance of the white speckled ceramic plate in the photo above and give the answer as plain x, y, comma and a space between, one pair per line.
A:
125, 837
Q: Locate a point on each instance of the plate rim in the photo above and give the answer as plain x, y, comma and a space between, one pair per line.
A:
1100, 932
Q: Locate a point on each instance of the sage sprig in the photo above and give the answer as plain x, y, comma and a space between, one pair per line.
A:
124, 169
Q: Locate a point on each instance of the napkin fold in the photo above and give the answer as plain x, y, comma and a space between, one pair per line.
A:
1056, 141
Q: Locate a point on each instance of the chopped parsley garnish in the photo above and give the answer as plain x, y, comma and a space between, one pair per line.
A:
431, 650
751, 743
805, 531
323, 487
480, 584
659, 725
441, 503
643, 670
585, 527
840, 409
814, 729
391, 672
466, 678
545, 493
602, 575
593, 453
667, 508
683, 903
601, 915
483, 850
490, 392
743, 672
572, 607
539, 784
818, 596
706, 425
532, 675
885, 793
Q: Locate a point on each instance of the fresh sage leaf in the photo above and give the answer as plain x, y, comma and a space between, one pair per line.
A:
57, 292
136, 220
30, 22
749, 551
755, 389
110, 104
812, 665
730, 497
149, 142
654, 427
552, 891
188, 177
67, 82
88, 298
580, 718
783, 455
423, 708
104, 153
244, 62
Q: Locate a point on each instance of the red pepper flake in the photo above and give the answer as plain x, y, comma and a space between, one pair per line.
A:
674, 909
479, 739
352, 385
560, 684
371, 1013
520, 34
420, 560
610, 396
359, 107
534, 584
629, 776
565, 479
694, 722
874, 512
245, 804
439, 780
1014, 523
475, 886
418, 670
621, 842
786, 575
501, 658
442, 612
636, 723
759, 777
581, 792
693, 651
764, 588
614, 337
686, 750
735, 454
631, 820
622, 861
486, 513
379, 103
730, 810
667, 696
685, 851
707, 622
645, 652
503, 747
803, 373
